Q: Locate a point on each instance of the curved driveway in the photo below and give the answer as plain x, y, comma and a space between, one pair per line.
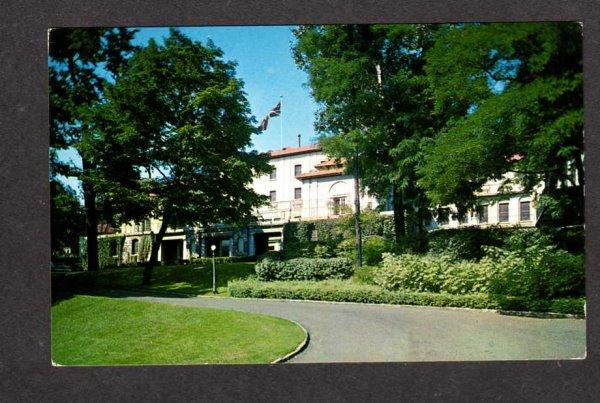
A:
348, 332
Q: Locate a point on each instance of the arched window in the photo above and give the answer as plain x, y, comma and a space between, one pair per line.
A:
134, 247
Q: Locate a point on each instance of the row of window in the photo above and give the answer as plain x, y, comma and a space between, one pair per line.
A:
297, 195
297, 171
503, 213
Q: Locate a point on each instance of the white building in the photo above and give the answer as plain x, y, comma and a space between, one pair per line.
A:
307, 185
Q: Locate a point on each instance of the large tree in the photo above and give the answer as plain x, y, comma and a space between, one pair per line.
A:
178, 117
370, 83
512, 97
81, 62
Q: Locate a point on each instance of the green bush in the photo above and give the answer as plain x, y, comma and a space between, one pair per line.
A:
345, 291
304, 269
412, 272
364, 275
373, 248
535, 272
323, 251
538, 272
346, 248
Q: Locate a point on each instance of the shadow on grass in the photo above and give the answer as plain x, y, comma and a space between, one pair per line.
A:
178, 281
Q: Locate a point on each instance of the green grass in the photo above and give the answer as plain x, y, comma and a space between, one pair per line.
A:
189, 279
88, 330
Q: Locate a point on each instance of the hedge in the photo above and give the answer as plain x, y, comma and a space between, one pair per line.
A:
304, 269
222, 259
345, 291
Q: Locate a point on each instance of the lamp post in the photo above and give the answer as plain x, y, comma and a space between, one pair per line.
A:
212, 248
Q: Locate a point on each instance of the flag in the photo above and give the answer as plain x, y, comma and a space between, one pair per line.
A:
276, 111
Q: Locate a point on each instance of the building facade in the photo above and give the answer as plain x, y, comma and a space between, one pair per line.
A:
307, 185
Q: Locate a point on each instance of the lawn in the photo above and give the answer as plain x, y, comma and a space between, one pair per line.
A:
89, 330
190, 279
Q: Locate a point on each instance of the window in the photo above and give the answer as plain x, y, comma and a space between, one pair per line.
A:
134, 247
298, 193
273, 196
338, 205
525, 211
443, 216
483, 214
113, 246
463, 218
273, 174
503, 212
297, 170
146, 225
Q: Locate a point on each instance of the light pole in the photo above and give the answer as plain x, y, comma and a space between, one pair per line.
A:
212, 248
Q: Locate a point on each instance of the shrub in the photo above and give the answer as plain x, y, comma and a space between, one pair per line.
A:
304, 269
411, 272
373, 248
537, 272
323, 251
346, 249
534, 272
344, 291
364, 275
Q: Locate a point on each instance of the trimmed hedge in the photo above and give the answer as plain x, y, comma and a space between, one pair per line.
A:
304, 269
346, 291
222, 259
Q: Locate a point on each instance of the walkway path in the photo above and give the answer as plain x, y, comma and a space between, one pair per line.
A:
363, 332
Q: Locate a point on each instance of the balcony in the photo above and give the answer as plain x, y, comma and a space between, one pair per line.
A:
281, 211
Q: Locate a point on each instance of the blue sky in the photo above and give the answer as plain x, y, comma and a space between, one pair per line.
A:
265, 64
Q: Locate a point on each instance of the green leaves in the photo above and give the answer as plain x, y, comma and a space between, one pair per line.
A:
179, 114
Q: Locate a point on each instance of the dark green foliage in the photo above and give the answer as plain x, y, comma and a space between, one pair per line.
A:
371, 86
110, 250
67, 219
301, 239
465, 243
341, 291
179, 113
76, 89
505, 90
537, 272
304, 269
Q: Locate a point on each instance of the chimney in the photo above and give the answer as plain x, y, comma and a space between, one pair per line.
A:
299, 136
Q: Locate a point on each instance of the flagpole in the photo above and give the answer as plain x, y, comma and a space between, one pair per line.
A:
281, 121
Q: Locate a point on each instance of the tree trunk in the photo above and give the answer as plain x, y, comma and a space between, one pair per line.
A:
358, 232
399, 219
149, 267
91, 219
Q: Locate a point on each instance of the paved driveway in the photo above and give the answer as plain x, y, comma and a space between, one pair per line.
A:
364, 332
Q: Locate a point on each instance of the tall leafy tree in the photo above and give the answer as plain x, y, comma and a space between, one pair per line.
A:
512, 97
81, 62
179, 117
370, 83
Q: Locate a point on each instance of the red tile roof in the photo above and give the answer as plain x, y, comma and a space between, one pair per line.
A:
329, 163
321, 174
286, 151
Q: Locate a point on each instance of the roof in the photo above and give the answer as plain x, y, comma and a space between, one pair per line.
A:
321, 174
328, 163
287, 151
